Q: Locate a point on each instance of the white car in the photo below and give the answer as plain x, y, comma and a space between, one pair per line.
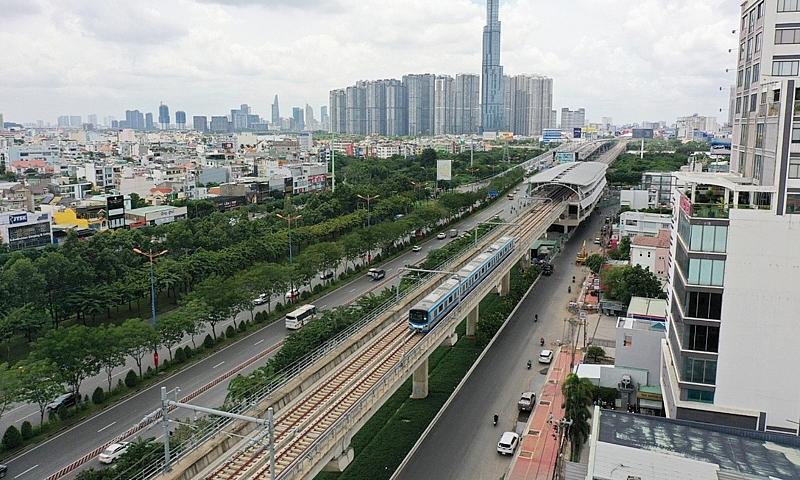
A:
441, 236
546, 356
416, 248
261, 299
113, 451
508, 443
325, 275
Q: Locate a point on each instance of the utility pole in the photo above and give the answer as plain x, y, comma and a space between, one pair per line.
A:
150, 255
289, 219
368, 199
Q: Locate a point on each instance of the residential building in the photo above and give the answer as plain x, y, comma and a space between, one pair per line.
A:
467, 104
491, 71
219, 124
299, 121
63, 121
444, 105
148, 121
180, 120
571, 119
651, 253
420, 89
163, 116
338, 120
75, 121
732, 262
200, 123
529, 100
646, 224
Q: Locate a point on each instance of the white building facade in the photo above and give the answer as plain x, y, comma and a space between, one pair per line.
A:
640, 223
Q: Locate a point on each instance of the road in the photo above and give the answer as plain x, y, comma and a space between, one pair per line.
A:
463, 442
56, 453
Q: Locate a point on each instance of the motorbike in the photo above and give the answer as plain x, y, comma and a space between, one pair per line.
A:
569, 289
494, 420
529, 364
573, 279
536, 318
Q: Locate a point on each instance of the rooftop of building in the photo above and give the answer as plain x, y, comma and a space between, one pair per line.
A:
647, 308
661, 240
151, 209
574, 173
660, 448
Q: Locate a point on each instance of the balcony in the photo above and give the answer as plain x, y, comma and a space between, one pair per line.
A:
709, 210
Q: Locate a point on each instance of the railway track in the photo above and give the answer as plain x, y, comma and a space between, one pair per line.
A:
298, 426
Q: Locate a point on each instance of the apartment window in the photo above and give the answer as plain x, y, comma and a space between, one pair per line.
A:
627, 341
741, 163
760, 135
752, 20
747, 78
794, 166
738, 104
740, 78
753, 102
708, 238
699, 371
785, 68
743, 137
706, 272
757, 167
787, 36
694, 395
756, 72
703, 305
793, 203
759, 41
786, 6
702, 338
795, 133
749, 49
760, 10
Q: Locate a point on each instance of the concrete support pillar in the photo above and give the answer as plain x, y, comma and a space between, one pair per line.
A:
419, 388
472, 322
526, 261
450, 340
505, 284
341, 461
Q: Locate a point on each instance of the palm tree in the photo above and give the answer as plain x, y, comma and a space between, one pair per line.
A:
577, 398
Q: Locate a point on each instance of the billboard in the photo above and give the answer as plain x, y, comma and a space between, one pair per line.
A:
490, 136
576, 132
565, 157
444, 169
642, 133
505, 136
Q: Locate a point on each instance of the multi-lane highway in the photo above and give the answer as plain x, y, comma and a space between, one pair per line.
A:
497, 381
63, 449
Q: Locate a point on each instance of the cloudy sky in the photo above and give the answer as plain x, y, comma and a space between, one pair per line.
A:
632, 60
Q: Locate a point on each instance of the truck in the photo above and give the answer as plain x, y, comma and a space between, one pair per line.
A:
492, 194
376, 273
453, 232
526, 401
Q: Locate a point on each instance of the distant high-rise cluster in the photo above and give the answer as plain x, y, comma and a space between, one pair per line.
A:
572, 119
419, 104
527, 105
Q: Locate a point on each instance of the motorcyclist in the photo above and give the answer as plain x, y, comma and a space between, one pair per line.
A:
536, 318
541, 341
529, 363
495, 418
569, 289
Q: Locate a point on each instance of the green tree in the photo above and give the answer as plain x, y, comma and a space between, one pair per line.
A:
22, 283
171, 328
623, 250
622, 283
74, 350
139, 339
38, 383
595, 262
9, 387
110, 351
595, 353
577, 398
12, 438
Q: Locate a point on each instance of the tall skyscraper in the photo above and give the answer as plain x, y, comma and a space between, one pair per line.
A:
276, 113
92, 119
467, 101
529, 103
311, 123
732, 337
63, 121
134, 119
421, 99
356, 123
2, 124
572, 119
148, 121
75, 121
338, 101
299, 121
444, 105
180, 119
200, 123
396, 108
324, 119
163, 116
491, 71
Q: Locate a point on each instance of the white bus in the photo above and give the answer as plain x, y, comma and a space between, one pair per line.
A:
300, 317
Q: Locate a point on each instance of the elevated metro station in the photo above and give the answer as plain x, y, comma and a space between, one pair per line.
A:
586, 181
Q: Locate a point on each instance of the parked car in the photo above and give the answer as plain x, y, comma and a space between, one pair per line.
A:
441, 236
69, 399
597, 241
261, 299
508, 443
325, 275
526, 401
113, 451
3, 470
546, 356
547, 269
416, 248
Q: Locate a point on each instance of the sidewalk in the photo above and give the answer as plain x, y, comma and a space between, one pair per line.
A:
539, 445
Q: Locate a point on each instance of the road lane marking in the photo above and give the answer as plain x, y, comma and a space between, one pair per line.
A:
26, 471
323, 306
110, 424
259, 342
217, 365
352, 290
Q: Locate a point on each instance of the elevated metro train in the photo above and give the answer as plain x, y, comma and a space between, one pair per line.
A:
436, 305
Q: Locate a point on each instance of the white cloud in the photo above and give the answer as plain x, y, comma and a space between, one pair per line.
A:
631, 60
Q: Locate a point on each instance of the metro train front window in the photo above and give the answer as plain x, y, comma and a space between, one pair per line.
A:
418, 316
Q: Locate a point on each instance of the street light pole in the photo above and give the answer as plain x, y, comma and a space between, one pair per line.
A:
289, 219
368, 199
150, 255
419, 186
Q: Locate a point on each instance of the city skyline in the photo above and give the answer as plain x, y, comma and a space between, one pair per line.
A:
656, 62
